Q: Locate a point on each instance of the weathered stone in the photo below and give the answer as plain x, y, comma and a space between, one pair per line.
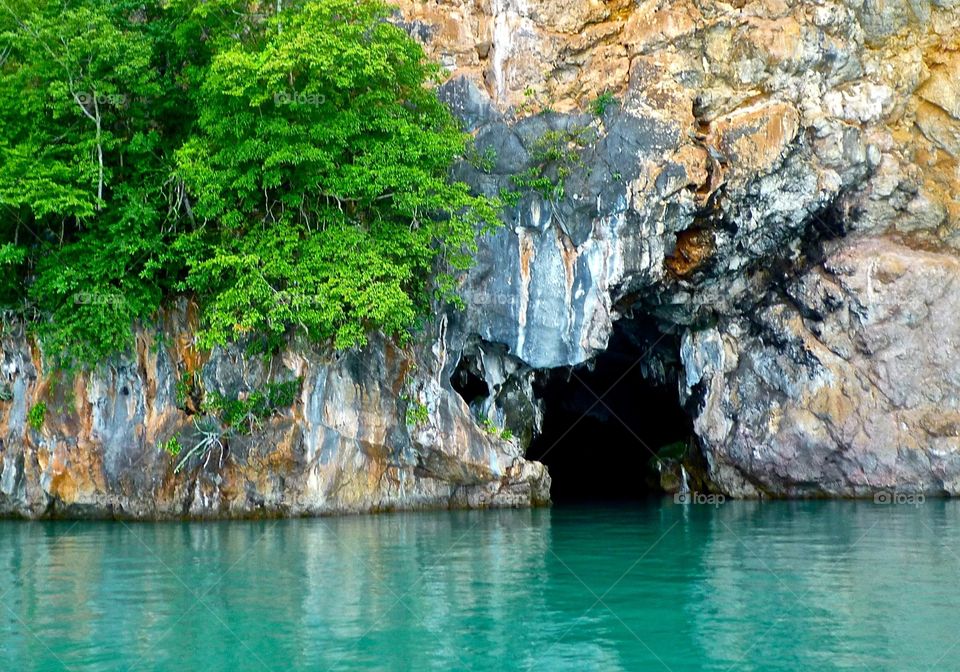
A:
851, 390
346, 444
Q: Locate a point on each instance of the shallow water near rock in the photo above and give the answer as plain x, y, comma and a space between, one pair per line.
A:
651, 586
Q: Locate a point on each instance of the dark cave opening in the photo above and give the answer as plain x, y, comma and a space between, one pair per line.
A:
604, 422
468, 382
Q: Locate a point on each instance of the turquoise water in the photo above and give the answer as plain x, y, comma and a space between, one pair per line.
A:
658, 586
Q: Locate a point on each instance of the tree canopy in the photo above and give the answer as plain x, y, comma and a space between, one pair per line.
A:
289, 169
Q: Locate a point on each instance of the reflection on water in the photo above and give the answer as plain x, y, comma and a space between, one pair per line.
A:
739, 586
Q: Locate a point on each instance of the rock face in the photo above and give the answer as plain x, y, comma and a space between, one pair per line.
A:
348, 441
776, 182
849, 387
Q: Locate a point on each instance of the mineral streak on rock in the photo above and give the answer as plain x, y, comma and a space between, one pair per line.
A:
778, 180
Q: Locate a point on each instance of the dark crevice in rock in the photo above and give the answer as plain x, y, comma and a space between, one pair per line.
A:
467, 380
605, 422
827, 224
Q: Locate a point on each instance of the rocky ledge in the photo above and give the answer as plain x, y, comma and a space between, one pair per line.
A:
368, 431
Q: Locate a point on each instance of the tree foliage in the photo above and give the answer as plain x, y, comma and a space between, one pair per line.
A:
290, 170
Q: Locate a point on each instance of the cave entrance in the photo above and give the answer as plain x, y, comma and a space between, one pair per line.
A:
604, 421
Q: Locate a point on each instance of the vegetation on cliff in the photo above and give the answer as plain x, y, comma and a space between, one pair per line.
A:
286, 165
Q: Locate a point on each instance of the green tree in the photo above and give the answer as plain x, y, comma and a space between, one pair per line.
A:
324, 157
290, 171
82, 174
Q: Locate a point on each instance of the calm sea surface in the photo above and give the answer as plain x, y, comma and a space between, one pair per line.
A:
656, 586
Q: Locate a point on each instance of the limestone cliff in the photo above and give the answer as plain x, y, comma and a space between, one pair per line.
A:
778, 180
348, 441
777, 183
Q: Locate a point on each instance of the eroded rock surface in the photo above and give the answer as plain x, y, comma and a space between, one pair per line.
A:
758, 151
348, 441
849, 387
